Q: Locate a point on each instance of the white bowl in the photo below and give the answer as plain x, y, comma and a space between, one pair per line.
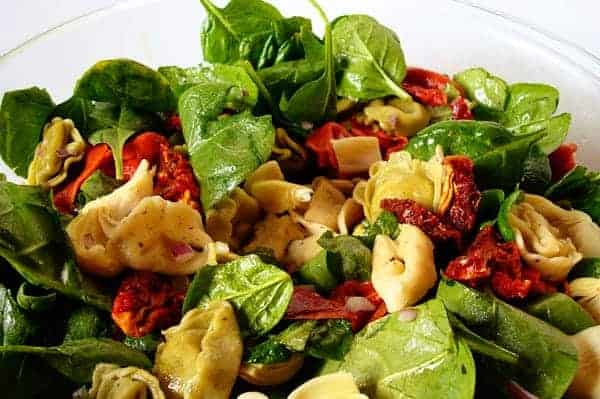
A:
442, 35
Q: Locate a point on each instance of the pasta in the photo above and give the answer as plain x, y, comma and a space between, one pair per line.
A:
397, 116
275, 233
110, 381
355, 155
326, 204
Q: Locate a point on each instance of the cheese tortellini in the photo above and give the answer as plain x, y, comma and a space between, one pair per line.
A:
331, 386
428, 183
403, 269
126, 229
201, 357
552, 239
61, 147
405, 117
110, 381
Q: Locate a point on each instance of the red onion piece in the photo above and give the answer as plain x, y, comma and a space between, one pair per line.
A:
516, 391
355, 304
182, 252
407, 314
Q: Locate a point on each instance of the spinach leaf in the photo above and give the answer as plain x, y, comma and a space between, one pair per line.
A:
355, 257
296, 335
241, 30
315, 101
16, 327
504, 227
182, 79
536, 171
259, 292
147, 343
386, 223
268, 352
35, 299
32, 241
330, 339
76, 359
580, 189
370, 58
555, 131
489, 205
529, 102
547, 358
481, 345
316, 271
235, 147
489, 91
395, 358
562, 312
588, 267
128, 83
125, 124
498, 154
23, 114
87, 322
94, 187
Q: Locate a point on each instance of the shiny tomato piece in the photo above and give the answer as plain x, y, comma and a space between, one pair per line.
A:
463, 209
175, 179
319, 142
562, 160
146, 302
460, 109
143, 146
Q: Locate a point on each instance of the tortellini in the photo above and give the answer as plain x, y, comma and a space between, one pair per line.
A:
428, 183
275, 233
127, 229
273, 193
403, 269
111, 381
552, 239
326, 204
586, 384
405, 117
201, 357
587, 292
331, 386
272, 374
61, 147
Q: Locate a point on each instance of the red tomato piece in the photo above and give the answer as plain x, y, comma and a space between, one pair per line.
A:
562, 160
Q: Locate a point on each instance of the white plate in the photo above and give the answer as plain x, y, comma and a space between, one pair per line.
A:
445, 36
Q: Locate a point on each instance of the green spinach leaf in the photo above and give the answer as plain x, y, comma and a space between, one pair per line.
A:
547, 358
32, 241
94, 187
296, 335
580, 189
147, 343
529, 102
504, 227
354, 257
268, 352
259, 292
77, 359
386, 223
421, 358
536, 171
125, 124
588, 267
316, 271
489, 206
555, 131
489, 91
182, 79
562, 312
16, 326
128, 83
330, 339
23, 114
370, 58
87, 322
35, 299
315, 101
239, 31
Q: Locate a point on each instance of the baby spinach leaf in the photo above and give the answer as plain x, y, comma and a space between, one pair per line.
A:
562, 312
529, 102
182, 79
126, 124
504, 227
146, 344
536, 171
386, 223
77, 359
87, 322
588, 267
268, 352
370, 58
489, 205
330, 339
498, 153
126, 82
555, 131
34, 244
547, 358
16, 326
316, 271
395, 358
580, 189
94, 187
259, 292
316, 100
489, 91
296, 335
238, 31
235, 146
35, 299
354, 257
23, 114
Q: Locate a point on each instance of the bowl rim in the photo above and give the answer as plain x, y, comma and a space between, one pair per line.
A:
570, 52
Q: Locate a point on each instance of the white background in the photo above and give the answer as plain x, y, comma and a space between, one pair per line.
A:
575, 21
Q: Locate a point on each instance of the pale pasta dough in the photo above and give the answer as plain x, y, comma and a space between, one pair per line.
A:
111, 381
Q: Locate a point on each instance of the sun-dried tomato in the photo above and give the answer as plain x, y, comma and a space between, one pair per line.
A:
408, 211
388, 142
173, 124
143, 146
319, 142
460, 109
146, 302
499, 263
307, 304
175, 179
428, 87
562, 160
462, 212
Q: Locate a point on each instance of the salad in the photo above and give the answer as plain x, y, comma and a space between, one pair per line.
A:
297, 217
